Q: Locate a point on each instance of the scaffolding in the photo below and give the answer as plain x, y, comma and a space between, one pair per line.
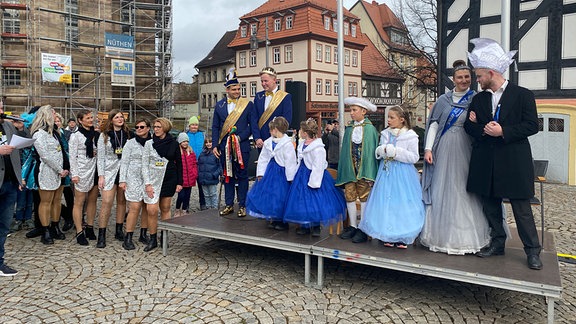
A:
77, 28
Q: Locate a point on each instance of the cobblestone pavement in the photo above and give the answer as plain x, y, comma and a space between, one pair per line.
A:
212, 281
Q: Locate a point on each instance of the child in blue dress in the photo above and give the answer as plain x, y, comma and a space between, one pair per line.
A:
395, 211
275, 170
313, 199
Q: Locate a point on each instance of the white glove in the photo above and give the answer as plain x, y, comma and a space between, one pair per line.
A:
380, 152
390, 150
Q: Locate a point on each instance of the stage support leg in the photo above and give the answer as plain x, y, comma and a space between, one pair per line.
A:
164, 242
306, 269
550, 302
320, 278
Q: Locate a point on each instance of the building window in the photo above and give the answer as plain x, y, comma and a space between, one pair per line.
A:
242, 59
243, 89
252, 58
347, 57
75, 81
224, 75
335, 55
253, 29
319, 52
11, 77
277, 24
327, 23
215, 74
289, 20
204, 103
328, 87
353, 30
11, 21
278, 83
253, 89
354, 58
346, 28
335, 87
288, 53
210, 100
319, 86
286, 81
352, 89
204, 77
327, 54
71, 24
335, 23
276, 55
243, 31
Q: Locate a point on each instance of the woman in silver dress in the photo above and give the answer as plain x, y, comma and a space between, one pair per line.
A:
455, 223
54, 167
113, 137
162, 173
82, 147
132, 183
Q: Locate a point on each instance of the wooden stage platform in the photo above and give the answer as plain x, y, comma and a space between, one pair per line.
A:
508, 272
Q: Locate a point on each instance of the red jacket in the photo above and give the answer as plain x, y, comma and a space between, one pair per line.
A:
189, 168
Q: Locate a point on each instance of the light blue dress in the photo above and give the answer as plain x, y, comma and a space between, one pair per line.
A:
394, 210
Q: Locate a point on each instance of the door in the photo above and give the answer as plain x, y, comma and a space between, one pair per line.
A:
551, 143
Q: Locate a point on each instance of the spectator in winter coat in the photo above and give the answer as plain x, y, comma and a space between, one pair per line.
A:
189, 175
209, 171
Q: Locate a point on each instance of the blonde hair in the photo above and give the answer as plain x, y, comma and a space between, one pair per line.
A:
310, 127
44, 120
164, 122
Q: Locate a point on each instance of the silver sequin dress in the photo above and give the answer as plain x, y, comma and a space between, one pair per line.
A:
108, 162
131, 171
51, 160
153, 169
80, 165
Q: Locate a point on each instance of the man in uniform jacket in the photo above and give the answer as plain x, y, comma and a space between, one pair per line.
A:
231, 143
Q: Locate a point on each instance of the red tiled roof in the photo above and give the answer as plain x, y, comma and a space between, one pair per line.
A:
426, 72
308, 20
383, 19
375, 64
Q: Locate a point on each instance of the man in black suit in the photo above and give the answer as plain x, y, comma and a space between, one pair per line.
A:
500, 120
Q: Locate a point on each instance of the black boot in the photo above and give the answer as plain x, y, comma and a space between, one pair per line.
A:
152, 243
66, 214
119, 232
89, 232
35, 232
143, 236
81, 238
55, 231
128, 244
101, 238
46, 237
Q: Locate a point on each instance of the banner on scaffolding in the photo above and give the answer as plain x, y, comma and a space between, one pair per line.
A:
122, 73
119, 46
57, 68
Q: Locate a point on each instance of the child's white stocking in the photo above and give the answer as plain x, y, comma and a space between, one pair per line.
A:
352, 213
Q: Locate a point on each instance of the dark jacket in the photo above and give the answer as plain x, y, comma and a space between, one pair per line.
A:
242, 126
331, 142
209, 168
502, 166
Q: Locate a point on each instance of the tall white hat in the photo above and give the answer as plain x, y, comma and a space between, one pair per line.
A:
488, 54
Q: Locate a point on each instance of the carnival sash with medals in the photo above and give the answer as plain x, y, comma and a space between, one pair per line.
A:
274, 103
457, 111
233, 117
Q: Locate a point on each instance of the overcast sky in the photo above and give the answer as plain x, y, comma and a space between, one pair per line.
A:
199, 25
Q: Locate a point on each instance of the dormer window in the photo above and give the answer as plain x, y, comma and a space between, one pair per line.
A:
243, 31
277, 24
327, 23
398, 38
335, 23
253, 29
289, 22
353, 27
346, 28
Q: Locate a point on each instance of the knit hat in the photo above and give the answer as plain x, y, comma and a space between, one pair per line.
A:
182, 137
193, 120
